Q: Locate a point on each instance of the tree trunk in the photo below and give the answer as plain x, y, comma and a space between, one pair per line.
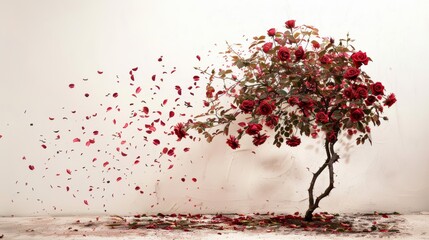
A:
332, 157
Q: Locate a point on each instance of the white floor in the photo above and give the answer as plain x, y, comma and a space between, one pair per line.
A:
415, 226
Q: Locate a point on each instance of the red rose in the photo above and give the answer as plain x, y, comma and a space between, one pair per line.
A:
299, 53
362, 92
356, 114
370, 100
377, 88
233, 142
283, 54
331, 136
325, 59
293, 101
359, 58
272, 121
322, 117
247, 106
253, 128
180, 131
349, 93
290, 24
267, 47
259, 139
391, 99
272, 32
351, 73
293, 141
266, 107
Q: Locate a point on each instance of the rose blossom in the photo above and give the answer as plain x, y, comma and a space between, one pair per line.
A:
356, 114
271, 32
322, 117
391, 99
290, 23
267, 47
362, 92
272, 121
359, 58
377, 88
349, 93
370, 100
253, 128
247, 106
259, 139
351, 73
293, 101
325, 59
266, 107
293, 141
283, 54
233, 142
180, 131
299, 53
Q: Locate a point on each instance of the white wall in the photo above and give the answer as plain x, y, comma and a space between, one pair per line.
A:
47, 44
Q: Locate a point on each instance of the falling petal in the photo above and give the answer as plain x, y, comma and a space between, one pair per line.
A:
99, 72
194, 179
71, 85
170, 167
196, 78
68, 171
44, 146
76, 140
153, 77
135, 69
124, 154
118, 179
51, 118
31, 167
199, 58
156, 142
115, 95
186, 149
105, 164
86, 202
138, 89
171, 114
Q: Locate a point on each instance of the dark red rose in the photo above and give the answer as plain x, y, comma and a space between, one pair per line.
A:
232, 141
377, 88
351, 73
293, 101
356, 114
359, 58
299, 53
391, 99
247, 106
180, 131
266, 107
267, 47
362, 92
322, 117
370, 100
293, 141
331, 136
272, 121
283, 54
325, 59
259, 139
271, 32
349, 93
290, 24
253, 128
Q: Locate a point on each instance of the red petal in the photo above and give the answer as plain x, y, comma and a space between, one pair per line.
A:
76, 140
138, 89
86, 202
118, 179
99, 72
135, 69
160, 59
183, 179
146, 110
153, 77
171, 114
132, 77
71, 85
67, 188
124, 154
164, 102
44, 146
95, 132
105, 164
125, 126
170, 167
115, 95
137, 188
194, 179
108, 109
196, 78
156, 142
186, 149
68, 171
31, 167
199, 58
51, 118
136, 162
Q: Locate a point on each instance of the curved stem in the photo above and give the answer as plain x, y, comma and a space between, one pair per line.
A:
332, 158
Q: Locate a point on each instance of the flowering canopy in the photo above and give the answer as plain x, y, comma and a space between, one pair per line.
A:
296, 83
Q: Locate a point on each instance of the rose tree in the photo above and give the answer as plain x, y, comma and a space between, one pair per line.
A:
288, 84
